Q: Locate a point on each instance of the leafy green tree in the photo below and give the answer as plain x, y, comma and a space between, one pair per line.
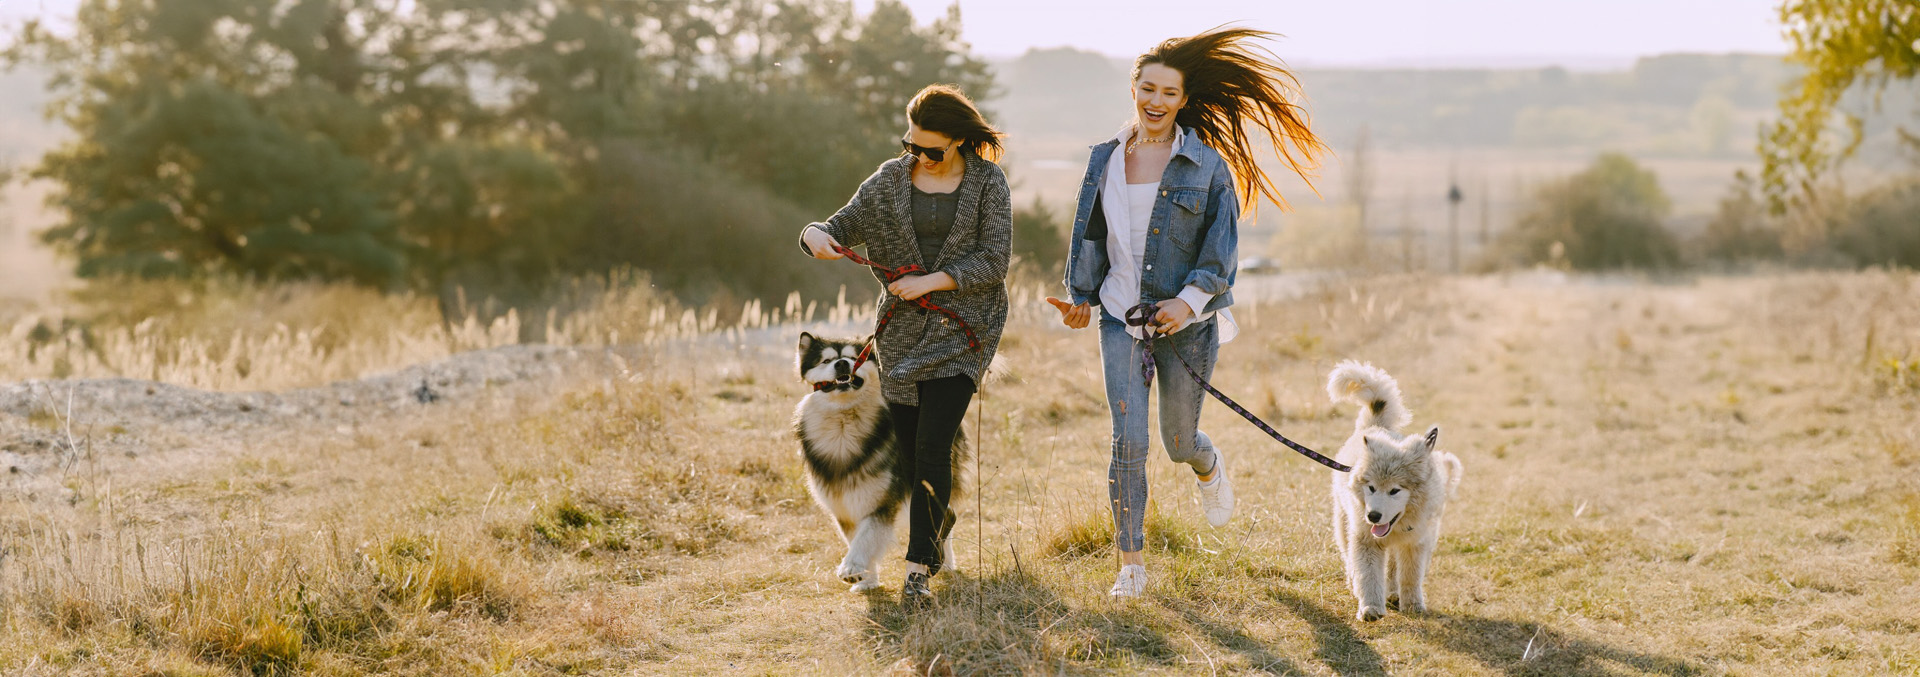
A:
257, 137
1843, 45
178, 165
1608, 216
439, 142
782, 107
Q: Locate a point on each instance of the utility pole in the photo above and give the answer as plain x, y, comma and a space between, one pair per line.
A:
1485, 188
1453, 225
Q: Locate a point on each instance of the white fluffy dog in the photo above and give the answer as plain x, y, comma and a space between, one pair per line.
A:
1386, 512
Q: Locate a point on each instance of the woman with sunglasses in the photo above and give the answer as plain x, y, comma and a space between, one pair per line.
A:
944, 206
1155, 244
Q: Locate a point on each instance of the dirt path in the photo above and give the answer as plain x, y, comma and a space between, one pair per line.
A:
47, 427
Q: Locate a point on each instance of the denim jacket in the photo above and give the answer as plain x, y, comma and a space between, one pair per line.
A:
1192, 237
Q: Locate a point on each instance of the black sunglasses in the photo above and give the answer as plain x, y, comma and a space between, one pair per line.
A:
934, 154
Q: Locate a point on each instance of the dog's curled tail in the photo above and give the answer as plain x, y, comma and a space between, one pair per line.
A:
1449, 470
1370, 388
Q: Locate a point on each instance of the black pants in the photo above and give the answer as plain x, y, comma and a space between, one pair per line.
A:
926, 442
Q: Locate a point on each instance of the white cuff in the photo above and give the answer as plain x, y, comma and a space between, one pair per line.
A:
1196, 299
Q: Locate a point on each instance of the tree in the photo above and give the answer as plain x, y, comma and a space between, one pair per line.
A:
1040, 236
428, 143
1608, 216
254, 137
1742, 230
1880, 227
1842, 44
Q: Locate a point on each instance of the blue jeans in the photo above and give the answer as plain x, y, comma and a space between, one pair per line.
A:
1180, 400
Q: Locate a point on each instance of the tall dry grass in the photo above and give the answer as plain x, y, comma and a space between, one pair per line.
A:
229, 335
1702, 478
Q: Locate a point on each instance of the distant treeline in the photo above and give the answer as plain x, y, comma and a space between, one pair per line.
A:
1675, 105
477, 143
1613, 215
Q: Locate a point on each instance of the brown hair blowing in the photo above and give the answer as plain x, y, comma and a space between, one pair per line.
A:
944, 109
1229, 86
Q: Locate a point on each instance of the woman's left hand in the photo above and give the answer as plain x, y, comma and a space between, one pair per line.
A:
1174, 314
915, 286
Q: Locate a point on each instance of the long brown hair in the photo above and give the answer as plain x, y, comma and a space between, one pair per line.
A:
1228, 85
944, 109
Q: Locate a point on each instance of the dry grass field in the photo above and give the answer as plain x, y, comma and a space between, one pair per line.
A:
1712, 476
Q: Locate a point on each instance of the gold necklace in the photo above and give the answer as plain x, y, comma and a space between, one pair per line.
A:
1135, 143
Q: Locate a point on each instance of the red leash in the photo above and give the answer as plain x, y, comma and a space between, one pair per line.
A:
892, 275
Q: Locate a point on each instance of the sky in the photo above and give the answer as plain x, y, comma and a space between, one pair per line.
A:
1573, 33
1381, 32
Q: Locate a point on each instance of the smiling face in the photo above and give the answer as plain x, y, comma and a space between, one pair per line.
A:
1383, 498
1158, 94
1389, 476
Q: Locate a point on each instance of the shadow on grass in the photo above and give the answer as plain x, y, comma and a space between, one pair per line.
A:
1262, 659
1003, 623
1340, 646
1527, 648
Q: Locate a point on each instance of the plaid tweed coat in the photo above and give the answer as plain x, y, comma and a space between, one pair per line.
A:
919, 345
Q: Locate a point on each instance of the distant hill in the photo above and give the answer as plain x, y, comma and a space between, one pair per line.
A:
1678, 104
1692, 118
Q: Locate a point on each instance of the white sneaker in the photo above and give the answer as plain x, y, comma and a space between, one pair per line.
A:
1132, 581
1216, 497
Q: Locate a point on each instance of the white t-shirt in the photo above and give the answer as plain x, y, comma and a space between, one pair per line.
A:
1131, 204
1140, 197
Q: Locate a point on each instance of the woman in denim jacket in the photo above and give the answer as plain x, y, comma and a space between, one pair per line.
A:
1156, 227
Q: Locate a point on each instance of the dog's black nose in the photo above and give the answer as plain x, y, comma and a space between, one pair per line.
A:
842, 368
1373, 516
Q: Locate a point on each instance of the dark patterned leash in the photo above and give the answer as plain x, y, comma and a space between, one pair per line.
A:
891, 275
1140, 315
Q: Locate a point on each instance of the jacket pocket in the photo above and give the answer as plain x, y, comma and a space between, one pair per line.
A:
1089, 266
1184, 221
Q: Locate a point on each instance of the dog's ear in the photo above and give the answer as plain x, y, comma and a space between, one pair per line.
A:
1433, 439
805, 350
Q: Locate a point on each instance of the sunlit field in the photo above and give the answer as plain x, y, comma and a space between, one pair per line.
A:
1709, 476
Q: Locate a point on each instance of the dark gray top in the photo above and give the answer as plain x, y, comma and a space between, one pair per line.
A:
933, 220
918, 345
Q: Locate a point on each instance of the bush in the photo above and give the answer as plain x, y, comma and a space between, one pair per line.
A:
1882, 227
1039, 237
1742, 231
1607, 217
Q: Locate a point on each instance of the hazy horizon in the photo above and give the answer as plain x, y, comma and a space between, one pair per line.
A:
1578, 35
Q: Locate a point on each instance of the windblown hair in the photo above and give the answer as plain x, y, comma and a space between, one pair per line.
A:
1230, 85
944, 109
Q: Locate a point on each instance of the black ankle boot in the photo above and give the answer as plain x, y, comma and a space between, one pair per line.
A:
915, 593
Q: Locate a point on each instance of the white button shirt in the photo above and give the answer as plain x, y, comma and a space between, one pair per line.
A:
1129, 211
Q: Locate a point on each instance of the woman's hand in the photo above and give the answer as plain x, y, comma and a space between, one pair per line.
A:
821, 244
915, 286
1074, 315
1174, 315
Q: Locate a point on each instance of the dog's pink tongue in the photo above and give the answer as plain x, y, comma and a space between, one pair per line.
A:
1381, 529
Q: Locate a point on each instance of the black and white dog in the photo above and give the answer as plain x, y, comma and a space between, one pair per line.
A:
853, 457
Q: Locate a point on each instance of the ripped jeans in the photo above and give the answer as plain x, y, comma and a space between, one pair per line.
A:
1180, 400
